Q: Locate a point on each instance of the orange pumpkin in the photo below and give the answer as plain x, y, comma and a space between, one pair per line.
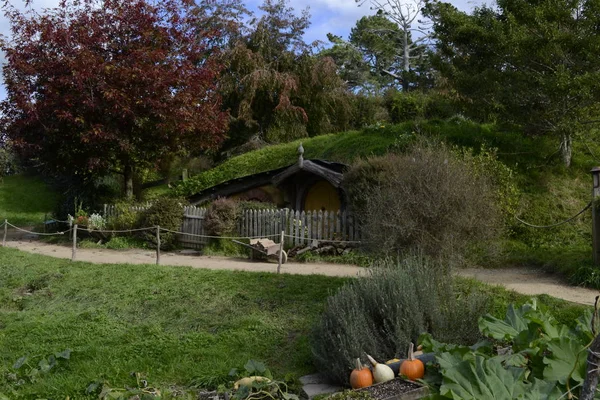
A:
361, 376
412, 368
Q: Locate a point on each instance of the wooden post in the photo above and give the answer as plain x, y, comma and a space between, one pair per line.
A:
157, 244
74, 250
596, 214
280, 252
5, 232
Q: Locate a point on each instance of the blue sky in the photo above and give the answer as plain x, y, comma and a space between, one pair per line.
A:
327, 16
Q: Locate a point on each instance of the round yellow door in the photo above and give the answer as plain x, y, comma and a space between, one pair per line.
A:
322, 196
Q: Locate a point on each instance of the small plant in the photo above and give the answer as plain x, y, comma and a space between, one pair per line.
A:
30, 370
256, 383
166, 212
141, 389
221, 217
96, 221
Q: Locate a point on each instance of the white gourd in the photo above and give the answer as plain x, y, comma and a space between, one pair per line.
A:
381, 372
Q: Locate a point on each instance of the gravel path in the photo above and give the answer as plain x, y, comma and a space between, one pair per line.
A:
184, 258
525, 281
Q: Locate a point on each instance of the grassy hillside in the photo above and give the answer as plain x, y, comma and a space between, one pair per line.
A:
24, 200
549, 192
175, 325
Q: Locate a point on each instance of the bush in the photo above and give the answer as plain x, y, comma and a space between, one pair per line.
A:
125, 217
385, 311
221, 217
404, 107
429, 198
167, 212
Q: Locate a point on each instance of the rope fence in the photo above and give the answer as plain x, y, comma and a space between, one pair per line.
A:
558, 223
75, 228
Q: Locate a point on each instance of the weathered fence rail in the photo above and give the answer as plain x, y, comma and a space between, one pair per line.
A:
300, 227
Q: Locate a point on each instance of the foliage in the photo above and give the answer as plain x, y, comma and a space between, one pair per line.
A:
125, 217
9, 163
412, 68
166, 212
27, 370
221, 217
90, 108
25, 199
159, 320
385, 311
545, 361
427, 198
517, 62
276, 90
259, 390
415, 106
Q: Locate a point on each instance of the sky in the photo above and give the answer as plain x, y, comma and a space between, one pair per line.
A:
327, 16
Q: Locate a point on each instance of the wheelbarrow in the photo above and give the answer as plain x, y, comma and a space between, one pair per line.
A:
265, 247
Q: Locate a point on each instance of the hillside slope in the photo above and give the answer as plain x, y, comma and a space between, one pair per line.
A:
549, 192
25, 200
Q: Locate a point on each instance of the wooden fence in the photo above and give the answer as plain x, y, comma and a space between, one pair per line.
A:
300, 227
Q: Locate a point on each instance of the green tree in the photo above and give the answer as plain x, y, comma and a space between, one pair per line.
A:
272, 82
530, 63
412, 35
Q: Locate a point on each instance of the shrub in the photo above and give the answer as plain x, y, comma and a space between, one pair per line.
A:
429, 198
221, 217
125, 217
385, 311
406, 106
167, 212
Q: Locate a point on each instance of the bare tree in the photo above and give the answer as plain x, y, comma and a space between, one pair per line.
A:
407, 14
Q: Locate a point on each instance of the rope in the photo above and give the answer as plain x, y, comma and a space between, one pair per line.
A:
36, 233
322, 240
114, 231
219, 237
558, 223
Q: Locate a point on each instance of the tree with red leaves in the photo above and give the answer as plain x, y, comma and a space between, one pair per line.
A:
95, 87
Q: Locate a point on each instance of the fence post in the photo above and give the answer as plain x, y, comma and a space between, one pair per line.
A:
280, 252
157, 244
5, 231
596, 214
74, 250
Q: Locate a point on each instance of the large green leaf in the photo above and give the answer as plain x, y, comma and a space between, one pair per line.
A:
488, 379
567, 357
507, 329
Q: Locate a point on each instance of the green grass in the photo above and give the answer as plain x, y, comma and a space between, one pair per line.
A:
25, 200
173, 324
176, 325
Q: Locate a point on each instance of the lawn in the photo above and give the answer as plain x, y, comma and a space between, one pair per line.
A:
25, 200
175, 325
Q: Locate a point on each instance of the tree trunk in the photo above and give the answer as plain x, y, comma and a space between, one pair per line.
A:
588, 391
128, 180
566, 148
405, 60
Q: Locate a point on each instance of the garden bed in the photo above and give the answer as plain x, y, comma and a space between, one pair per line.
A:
396, 389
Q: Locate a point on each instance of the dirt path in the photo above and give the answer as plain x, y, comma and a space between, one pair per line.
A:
191, 259
526, 281
532, 282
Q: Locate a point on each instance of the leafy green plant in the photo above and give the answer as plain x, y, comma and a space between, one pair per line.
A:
30, 370
250, 388
542, 359
141, 389
166, 212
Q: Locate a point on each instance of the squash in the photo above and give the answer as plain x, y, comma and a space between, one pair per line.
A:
393, 360
412, 368
361, 376
381, 372
249, 380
